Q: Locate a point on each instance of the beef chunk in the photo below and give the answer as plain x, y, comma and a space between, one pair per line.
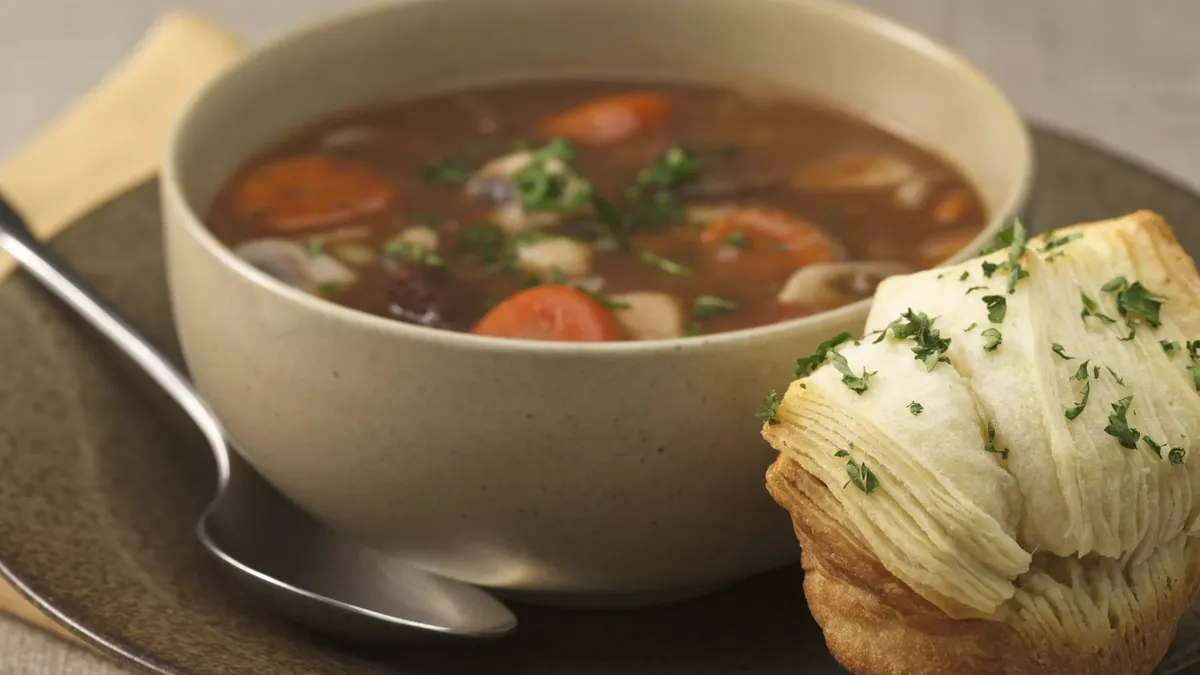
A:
428, 296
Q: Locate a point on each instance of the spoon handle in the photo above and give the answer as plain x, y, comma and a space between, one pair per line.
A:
61, 280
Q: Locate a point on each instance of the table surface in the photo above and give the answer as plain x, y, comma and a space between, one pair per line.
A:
1124, 73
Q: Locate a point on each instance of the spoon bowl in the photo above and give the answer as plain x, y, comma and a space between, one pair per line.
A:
275, 550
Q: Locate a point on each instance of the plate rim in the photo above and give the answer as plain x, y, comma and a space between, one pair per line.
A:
95, 639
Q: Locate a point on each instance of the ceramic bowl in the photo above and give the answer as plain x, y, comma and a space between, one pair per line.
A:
618, 473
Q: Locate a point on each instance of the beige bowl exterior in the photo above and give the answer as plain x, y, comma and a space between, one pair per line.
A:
612, 472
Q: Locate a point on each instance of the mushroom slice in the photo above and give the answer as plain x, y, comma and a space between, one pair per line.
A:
912, 193
514, 218
848, 173
420, 236
703, 214
650, 315
342, 234
358, 255
828, 285
592, 284
294, 265
344, 138
569, 257
493, 182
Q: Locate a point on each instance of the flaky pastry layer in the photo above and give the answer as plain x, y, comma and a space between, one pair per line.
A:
995, 519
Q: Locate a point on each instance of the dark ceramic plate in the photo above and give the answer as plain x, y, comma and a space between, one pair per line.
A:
101, 482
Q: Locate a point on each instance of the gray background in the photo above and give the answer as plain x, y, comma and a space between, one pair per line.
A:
1123, 72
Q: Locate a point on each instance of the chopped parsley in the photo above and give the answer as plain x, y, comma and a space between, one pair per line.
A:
842, 453
447, 171
1003, 239
1115, 376
915, 408
676, 166
1153, 445
652, 201
1058, 349
1135, 302
1090, 308
1053, 242
768, 408
330, 287
1014, 238
1138, 301
1096, 372
930, 347
970, 328
964, 276
668, 266
997, 307
1194, 371
314, 248
708, 306
990, 446
650, 214
992, 339
1015, 252
1077, 409
976, 288
737, 239
808, 364
861, 477
1082, 375
1193, 348
549, 182
1114, 284
403, 251
1169, 347
1174, 455
855, 383
1014, 276
1118, 424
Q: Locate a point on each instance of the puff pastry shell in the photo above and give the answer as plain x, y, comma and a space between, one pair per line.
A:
1069, 554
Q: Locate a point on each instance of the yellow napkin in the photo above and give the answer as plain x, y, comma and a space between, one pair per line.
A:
110, 141
113, 138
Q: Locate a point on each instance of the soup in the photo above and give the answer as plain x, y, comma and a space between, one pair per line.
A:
595, 210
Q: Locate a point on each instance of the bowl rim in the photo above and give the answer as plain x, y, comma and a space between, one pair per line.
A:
173, 198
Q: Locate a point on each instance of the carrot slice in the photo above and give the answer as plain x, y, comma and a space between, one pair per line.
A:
765, 243
310, 192
610, 119
951, 209
559, 313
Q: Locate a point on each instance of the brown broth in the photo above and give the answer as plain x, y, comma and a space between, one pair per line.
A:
755, 140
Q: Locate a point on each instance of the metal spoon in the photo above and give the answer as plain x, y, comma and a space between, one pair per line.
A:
273, 548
